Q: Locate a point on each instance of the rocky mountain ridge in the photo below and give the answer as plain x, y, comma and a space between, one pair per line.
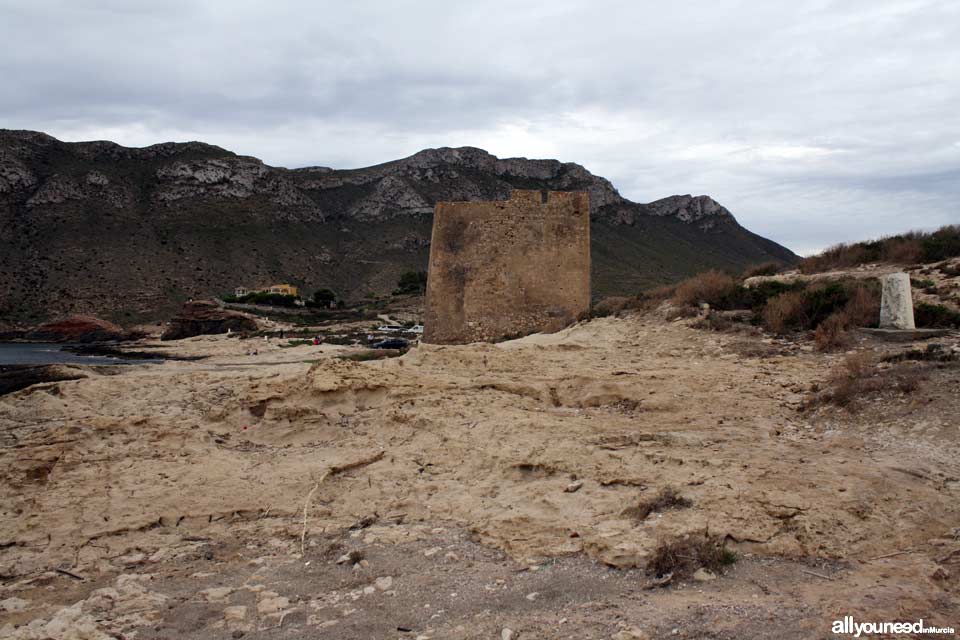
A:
95, 227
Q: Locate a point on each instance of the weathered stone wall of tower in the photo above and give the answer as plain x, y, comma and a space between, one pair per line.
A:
508, 268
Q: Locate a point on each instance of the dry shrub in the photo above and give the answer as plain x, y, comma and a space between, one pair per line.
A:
906, 249
675, 313
660, 293
832, 334
716, 322
763, 269
858, 378
709, 287
836, 257
863, 307
683, 556
807, 309
667, 498
781, 312
615, 306
857, 365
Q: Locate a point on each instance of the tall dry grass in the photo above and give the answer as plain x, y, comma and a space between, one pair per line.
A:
907, 248
709, 287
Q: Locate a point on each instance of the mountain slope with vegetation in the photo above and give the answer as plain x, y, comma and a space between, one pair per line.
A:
131, 233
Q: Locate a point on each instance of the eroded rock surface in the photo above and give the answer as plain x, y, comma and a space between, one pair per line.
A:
206, 317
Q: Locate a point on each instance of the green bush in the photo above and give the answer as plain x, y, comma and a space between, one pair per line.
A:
804, 309
322, 296
295, 343
935, 316
941, 244
256, 297
412, 282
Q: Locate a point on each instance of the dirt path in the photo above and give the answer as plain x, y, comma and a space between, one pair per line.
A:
150, 471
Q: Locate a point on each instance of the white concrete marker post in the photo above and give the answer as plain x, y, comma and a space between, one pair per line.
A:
896, 302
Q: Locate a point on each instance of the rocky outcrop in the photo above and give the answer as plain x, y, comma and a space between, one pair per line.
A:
206, 317
94, 227
15, 377
76, 329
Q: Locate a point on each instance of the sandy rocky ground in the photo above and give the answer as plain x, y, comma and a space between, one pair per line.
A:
478, 491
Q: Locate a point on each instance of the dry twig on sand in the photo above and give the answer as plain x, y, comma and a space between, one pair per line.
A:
332, 471
818, 575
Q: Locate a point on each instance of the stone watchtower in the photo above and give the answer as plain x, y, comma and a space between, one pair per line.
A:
508, 268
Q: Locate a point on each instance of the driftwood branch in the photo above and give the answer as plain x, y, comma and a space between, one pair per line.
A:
70, 574
332, 471
819, 575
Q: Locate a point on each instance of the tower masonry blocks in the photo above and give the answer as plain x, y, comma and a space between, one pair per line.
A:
504, 269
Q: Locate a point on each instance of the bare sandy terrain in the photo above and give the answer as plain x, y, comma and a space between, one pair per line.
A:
459, 492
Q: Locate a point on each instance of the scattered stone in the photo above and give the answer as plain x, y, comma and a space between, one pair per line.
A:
384, 583
233, 614
215, 594
704, 575
533, 596
630, 633
234, 619
507, 634
129, 560
432, 552
271, 603
14, 604
573, 487
353, 557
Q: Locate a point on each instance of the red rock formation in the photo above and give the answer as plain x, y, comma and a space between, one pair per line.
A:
76, 329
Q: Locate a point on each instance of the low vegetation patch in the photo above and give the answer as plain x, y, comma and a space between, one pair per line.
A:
411, 283
935, 316
907, 248
860, 377
934, 352
711, 287
763, 269
616, 306
259, 297
295, 343
832, 334
856, 303
667, 498
681, 557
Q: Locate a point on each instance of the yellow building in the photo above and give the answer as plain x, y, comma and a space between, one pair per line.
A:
283, 289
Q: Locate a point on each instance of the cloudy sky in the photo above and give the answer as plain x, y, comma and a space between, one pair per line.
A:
812, 121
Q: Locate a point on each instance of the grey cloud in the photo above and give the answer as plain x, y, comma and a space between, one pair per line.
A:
814, 122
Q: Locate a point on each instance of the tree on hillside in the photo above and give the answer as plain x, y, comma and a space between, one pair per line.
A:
412, 282
324, 296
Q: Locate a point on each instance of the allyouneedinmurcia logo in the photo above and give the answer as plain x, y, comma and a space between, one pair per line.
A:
848, 626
